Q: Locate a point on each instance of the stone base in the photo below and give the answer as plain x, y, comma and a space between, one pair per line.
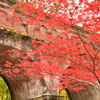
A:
49, 97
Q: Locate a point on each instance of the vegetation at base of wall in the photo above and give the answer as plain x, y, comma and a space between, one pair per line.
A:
63, 92
4, 91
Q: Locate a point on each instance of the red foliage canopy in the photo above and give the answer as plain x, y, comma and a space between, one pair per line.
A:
71, 56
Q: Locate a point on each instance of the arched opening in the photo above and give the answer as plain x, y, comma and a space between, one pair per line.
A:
5, 92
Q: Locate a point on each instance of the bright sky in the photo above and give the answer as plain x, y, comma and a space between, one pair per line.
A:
77, 1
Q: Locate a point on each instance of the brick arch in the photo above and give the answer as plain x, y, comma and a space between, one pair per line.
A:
22, 87
12, 38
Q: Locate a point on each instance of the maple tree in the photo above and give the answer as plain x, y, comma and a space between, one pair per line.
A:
70, 55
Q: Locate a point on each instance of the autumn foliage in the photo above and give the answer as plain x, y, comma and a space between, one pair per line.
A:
71, 52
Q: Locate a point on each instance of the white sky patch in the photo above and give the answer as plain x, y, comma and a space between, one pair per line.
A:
79, 24
77, 1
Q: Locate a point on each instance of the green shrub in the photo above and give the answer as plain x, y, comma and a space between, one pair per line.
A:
4, 91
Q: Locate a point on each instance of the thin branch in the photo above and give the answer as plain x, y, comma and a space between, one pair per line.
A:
85, 47
92, 59
79, 80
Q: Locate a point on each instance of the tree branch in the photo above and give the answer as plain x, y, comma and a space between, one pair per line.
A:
79, 80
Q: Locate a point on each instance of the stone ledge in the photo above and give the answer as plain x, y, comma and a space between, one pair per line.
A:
48, 97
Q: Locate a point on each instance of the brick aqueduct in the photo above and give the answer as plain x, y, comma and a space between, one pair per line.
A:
30, 88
